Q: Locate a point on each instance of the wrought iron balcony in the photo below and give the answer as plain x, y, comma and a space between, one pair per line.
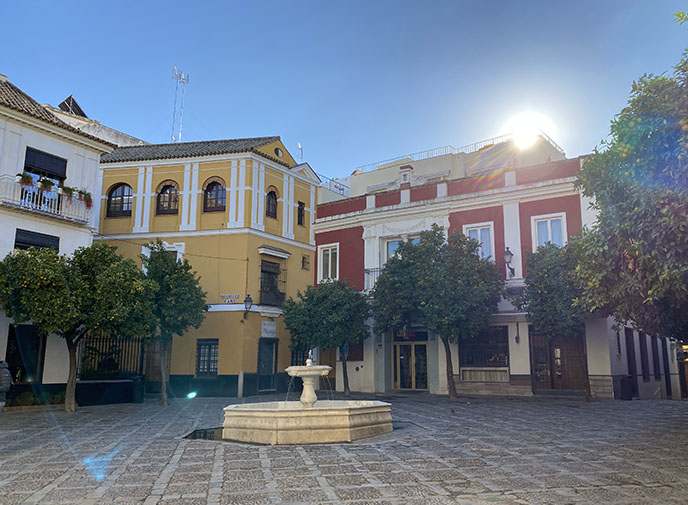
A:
50, 203
269, 297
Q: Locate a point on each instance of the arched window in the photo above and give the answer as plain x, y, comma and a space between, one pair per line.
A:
119, 201
271, 204
214, 197
168, 200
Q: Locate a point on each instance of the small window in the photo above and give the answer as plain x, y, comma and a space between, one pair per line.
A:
549, 229
391, 247
490, 349
271, 204
301, 214
278, 152
214, 198
45, 164
329, 262
305, 262
206, 357
119, 202
482, 233
168, 200
23, 239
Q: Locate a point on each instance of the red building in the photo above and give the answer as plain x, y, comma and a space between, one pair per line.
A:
506, 198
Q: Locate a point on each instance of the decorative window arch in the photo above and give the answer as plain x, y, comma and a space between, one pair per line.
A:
168, 198
271, 202
119, 201
214, 195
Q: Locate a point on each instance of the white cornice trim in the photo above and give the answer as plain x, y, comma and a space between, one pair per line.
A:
209, 159
494, 197
205, 233
55, 130
268, 251
264, 310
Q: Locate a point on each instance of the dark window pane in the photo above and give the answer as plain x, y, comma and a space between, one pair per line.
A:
24, 239
301, 215
120, 201
42, 163
490, 349
168, 200
214, 197
271, 204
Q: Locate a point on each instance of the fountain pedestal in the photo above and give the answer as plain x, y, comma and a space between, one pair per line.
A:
308, 375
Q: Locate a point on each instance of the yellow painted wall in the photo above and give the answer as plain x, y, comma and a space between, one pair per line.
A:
116, 225
269, 149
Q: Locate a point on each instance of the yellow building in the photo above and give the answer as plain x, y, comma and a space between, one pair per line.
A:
240, 211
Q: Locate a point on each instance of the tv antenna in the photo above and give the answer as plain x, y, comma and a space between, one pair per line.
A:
301, 151
183, 79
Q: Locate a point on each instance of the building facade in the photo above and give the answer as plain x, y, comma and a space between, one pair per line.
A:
240, 211
509, 199
44, 165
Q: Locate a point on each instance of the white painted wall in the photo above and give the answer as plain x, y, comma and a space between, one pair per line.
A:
519, 352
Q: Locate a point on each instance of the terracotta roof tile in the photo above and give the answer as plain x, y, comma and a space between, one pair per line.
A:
189, 150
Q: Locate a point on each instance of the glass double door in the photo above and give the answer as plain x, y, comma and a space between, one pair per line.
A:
411, 366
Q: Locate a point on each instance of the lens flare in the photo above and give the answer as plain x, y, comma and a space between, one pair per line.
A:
191, 395
526, 126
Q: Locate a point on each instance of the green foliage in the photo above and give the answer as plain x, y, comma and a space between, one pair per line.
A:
59, 398
178, 300
45, 398
327, 316
681, 17
94, 291
444, 284
633, 264
550, 292
24, 399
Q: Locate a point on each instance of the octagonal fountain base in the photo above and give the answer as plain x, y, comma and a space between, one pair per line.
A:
326, 421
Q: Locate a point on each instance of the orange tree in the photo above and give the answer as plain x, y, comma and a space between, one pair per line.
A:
442, 283
95, 292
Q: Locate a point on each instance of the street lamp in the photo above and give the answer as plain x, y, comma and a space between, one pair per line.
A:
248, 303
508, 257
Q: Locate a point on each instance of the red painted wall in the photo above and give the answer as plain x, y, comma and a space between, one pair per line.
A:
549, 171
475, 184
351, 254
568, 204
423, 193
385, 199
495, 214
341, 207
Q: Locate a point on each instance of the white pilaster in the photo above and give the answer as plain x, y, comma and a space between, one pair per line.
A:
261, 198
254, 195
512, 236
290, 209
232, 193
193, 204
405, 196
311, 216
241, 220
186, 195
98, 200
588, 214
139, 196
285, 206
370, 201
441, 190
148, 197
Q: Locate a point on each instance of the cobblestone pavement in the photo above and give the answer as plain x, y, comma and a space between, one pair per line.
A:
477, 451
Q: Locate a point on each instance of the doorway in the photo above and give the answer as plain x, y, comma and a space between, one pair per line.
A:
411, 366
631, 361
267, 364
558, 363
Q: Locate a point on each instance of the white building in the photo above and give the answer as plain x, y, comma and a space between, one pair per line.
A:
38, 211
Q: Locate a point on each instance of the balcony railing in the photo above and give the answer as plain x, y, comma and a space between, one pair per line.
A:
40, 201
275, 298
370, 278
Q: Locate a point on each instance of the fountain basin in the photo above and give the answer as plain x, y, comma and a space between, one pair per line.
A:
328, 421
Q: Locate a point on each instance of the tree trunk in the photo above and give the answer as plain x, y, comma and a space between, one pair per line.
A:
588, 390
451, 385
163, 372
70, 393
345, 372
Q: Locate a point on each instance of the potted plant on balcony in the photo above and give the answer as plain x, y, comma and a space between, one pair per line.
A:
24, 179
68, 192
86, 197
45, 184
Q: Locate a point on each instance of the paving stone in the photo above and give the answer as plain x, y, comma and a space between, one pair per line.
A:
442, 452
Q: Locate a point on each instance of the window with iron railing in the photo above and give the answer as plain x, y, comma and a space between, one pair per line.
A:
272, 283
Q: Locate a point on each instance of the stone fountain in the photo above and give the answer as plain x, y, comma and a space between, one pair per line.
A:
307, 421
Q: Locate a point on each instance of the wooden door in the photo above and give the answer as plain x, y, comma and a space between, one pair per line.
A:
558, 363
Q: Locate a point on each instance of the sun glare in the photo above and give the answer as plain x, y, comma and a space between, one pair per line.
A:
526, 126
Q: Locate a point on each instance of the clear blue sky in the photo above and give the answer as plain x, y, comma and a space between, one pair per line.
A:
354, 82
